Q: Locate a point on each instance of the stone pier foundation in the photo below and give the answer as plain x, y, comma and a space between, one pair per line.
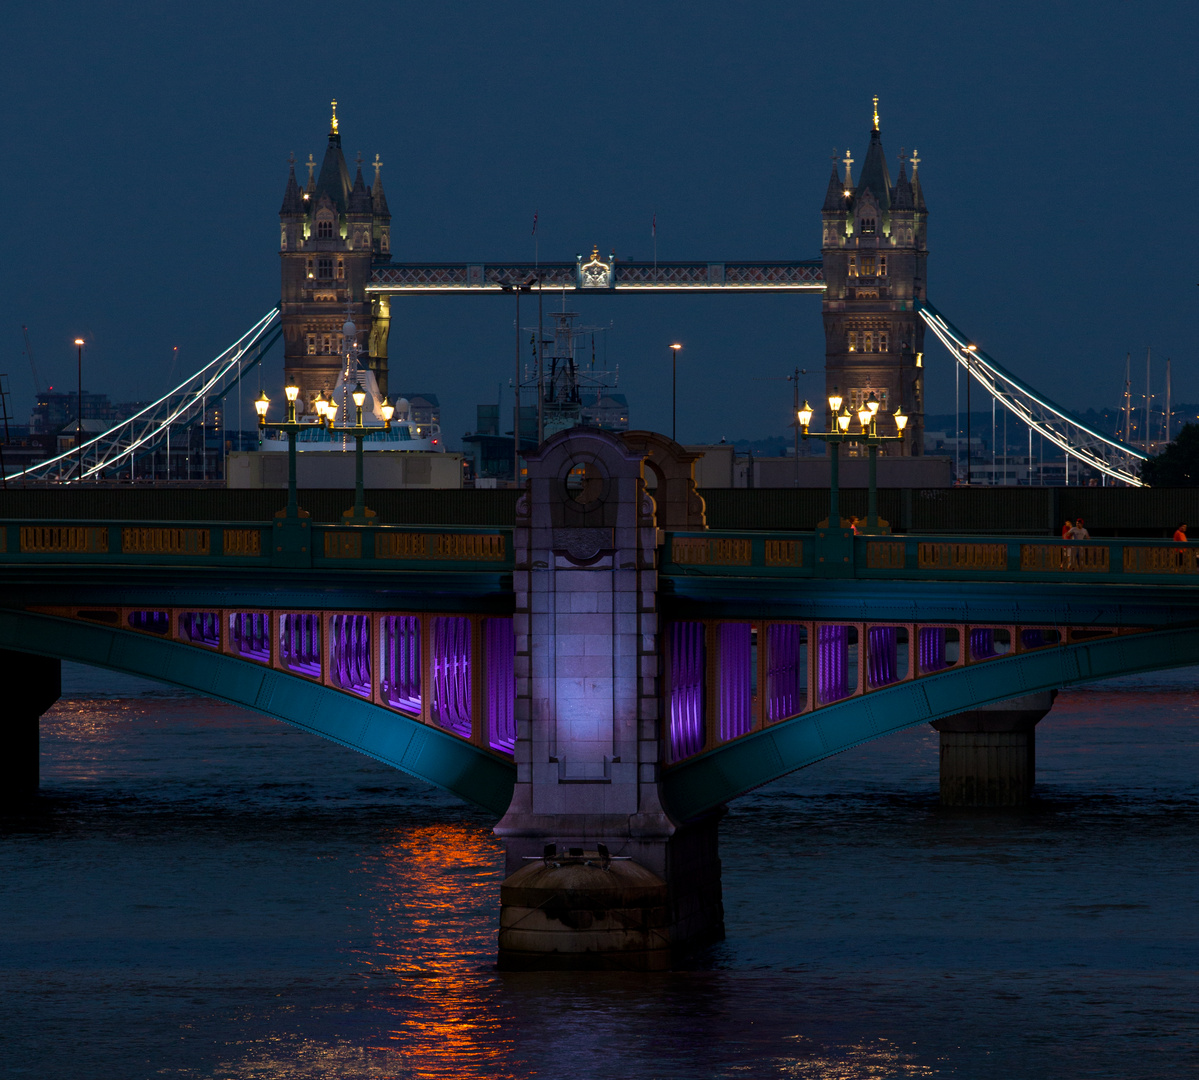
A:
31, 685
600, 875
988, 756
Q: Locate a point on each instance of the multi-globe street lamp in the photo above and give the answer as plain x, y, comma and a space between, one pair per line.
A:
292, 427
326, 411
868, 436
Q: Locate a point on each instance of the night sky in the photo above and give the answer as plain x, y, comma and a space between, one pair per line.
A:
148, 153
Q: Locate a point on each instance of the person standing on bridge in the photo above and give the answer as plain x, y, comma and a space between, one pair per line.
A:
1066, 536
1079, 532
1180, 534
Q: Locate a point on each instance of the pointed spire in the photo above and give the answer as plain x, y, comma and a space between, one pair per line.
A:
917, 192
360, 200
293, 202
334, 177
874, 175
834, 198
903, 189
378, 196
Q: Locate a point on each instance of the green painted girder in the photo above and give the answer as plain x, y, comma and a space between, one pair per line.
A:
702, 783
417, 749
1074, 603
479, 592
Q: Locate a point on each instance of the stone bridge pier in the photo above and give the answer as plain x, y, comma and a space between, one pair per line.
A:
32, 684
599, 873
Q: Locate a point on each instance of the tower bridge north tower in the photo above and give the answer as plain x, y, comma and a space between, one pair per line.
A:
331, 231
874, 253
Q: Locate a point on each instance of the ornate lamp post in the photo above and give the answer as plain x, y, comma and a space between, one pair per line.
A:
868, 436
327, 412
291, 426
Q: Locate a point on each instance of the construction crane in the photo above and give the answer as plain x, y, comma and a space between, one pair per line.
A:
37, 383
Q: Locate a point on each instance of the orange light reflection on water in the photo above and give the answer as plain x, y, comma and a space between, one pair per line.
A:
433, 928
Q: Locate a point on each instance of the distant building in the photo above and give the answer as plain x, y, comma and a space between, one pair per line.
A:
54, 411
424, 409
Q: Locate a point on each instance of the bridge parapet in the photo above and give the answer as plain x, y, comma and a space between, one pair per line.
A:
943, 558
210, 544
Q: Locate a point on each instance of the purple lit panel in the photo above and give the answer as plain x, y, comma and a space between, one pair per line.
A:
932, 648
153, 622
882, 655
350, 653
451, 674
832, 663
201, 628
399, 659
499, 644
1034, 638
686, 689
249, 635
982, 642
786, 671
300, 642
734, 642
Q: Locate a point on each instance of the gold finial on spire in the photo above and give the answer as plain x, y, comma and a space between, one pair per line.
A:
595, 252
876, 112
333, 122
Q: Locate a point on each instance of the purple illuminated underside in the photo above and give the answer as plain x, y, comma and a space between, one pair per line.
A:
686, 735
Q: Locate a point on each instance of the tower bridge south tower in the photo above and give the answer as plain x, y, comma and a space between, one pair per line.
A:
874, 253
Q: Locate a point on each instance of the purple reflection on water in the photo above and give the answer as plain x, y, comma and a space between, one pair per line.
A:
786, 680
499, 644
451, 673
350, 653
400, 660
736, 695
300, 642
932, 648
249, 635
882, 655
686, 689
832, 663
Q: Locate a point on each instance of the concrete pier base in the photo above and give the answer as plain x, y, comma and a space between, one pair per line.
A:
31, 685
988, 756
632, 905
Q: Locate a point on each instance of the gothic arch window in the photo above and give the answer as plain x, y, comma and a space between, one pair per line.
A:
324, 268
341, 269
869, 226
853, 266
324, 225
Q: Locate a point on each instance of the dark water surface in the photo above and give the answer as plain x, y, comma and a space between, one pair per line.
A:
205, 893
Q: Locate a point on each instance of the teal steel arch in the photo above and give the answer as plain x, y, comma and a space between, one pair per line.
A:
705, 782
417, 749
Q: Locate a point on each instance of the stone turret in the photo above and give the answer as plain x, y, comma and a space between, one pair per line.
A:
875, 255
330, 233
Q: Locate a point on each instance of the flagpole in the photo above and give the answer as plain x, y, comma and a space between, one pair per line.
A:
654, 231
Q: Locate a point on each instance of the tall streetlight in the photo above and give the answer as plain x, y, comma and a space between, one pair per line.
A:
968, 351
674, 390
79, 409
327, 412
869, 436
292, 427
518, 287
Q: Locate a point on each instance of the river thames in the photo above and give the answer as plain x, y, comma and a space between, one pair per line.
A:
203, 892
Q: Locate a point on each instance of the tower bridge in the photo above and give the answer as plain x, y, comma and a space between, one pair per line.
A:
607, 675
